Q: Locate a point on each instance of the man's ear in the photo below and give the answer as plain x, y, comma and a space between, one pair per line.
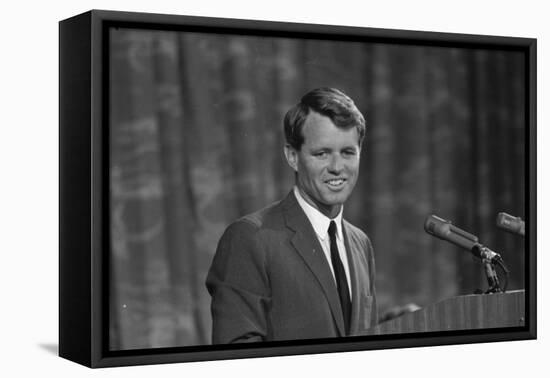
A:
291, 157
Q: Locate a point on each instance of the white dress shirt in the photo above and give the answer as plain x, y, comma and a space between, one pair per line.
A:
320, 223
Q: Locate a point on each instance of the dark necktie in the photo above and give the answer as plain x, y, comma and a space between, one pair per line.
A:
340, 275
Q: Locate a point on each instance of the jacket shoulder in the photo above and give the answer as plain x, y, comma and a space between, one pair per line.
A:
356, 233
269, 216
242, 245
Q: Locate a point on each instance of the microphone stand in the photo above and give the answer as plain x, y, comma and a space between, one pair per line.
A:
492, 277
488, 259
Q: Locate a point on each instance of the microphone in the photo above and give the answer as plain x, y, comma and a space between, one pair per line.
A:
445, 230
511, 224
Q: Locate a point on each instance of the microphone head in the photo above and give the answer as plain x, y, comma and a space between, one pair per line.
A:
511, 224
444, 230
437, 226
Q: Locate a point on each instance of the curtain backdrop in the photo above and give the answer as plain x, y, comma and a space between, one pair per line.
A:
196, 142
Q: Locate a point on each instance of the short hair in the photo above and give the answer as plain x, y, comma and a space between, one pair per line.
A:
329, 102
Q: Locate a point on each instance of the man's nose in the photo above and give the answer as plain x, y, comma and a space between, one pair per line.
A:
336, 165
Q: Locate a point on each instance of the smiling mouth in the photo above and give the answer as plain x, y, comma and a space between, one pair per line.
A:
335, 183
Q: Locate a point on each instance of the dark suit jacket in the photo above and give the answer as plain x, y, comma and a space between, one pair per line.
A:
270, 279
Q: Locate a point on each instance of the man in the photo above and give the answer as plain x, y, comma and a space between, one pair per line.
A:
296, 269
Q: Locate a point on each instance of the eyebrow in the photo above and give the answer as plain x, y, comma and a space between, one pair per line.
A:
319, 149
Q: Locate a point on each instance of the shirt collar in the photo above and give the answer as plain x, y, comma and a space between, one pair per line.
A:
318, 220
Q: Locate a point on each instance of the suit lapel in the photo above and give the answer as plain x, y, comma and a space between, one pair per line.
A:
351, 251
307, 245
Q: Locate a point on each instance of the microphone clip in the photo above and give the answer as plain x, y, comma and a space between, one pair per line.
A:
484, 253
489, 259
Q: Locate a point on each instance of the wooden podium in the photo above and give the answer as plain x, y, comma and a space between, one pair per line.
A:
459, 313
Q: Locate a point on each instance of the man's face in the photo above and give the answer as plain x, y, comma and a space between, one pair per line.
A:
327, 164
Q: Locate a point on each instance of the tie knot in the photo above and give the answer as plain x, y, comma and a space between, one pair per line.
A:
332, 229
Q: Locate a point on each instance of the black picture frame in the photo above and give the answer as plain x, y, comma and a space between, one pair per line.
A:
84, 191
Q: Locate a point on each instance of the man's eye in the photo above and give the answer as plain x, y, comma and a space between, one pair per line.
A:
349, 152
321, 154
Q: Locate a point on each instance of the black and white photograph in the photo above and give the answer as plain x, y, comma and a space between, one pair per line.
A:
239, 189
231, 154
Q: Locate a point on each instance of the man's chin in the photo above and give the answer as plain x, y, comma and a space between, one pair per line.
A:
335, 199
